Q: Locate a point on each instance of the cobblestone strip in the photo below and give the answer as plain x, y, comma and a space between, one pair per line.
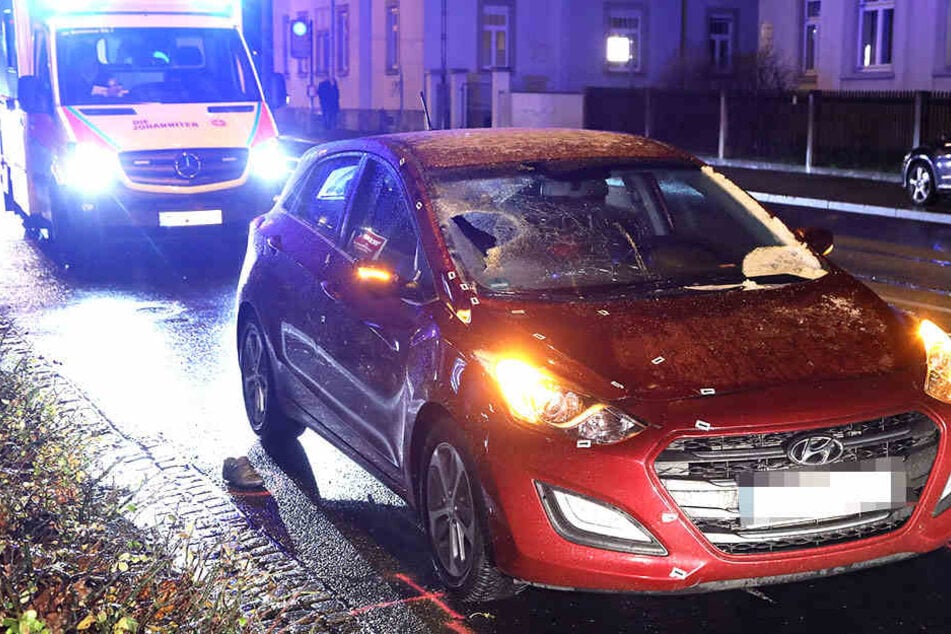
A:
170, 494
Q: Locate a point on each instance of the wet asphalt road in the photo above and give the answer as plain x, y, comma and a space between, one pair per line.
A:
147, 332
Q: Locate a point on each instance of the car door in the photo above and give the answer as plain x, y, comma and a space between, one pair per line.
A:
300, 242
378, 341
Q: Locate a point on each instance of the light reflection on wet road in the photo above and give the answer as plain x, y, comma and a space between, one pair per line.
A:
149, 336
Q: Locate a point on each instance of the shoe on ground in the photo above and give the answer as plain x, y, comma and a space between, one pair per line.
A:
240, 473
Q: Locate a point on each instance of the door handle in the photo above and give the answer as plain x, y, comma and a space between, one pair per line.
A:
392, 342
275, 243
330, 290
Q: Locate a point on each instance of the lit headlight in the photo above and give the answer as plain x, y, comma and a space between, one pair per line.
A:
938, 348
90, 168
581, 520
536, 397
268, 161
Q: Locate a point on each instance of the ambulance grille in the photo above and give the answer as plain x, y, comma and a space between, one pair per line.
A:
184, 167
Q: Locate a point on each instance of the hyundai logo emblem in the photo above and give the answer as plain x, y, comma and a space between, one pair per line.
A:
187, 165
814, 450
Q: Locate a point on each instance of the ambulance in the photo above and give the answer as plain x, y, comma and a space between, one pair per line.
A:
133, 114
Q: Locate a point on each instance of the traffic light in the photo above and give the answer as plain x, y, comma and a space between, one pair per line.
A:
301, 38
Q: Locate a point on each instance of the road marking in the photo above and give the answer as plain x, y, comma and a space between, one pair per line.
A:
855, 208
456, 621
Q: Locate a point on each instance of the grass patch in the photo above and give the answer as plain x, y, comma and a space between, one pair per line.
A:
71, 561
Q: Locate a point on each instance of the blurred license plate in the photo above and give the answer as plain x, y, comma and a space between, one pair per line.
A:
189, 218
774, 498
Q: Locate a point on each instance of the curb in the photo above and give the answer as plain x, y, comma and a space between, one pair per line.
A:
868, 175
870, 210
163, 484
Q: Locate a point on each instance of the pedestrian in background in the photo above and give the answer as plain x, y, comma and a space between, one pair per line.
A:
329, 95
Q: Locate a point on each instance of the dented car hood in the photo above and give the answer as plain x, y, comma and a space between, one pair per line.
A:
687, 345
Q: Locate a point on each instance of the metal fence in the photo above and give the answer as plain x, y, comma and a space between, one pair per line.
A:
864, 130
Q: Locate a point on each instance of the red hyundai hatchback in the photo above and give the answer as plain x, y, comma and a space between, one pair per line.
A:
592, 362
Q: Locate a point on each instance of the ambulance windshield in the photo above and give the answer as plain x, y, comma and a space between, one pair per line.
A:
153, 65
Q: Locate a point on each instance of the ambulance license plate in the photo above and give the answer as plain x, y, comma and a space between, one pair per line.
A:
190, 218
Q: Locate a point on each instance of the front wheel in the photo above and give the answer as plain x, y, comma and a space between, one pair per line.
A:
257, 382
453, 513
74, 242
920, 186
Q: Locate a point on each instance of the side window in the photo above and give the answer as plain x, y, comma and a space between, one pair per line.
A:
381, 226
322, 196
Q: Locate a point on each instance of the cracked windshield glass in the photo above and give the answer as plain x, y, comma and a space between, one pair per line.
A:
577, 228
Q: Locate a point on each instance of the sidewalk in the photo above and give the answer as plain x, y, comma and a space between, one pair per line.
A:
837, 193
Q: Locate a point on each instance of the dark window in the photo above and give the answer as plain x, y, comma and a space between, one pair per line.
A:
496, 40
343, 40
393, 38
720, 31
875, 32
321, 200
322, 57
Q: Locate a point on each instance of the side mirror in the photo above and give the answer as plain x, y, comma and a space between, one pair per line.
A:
819, 240
275, 91
34, 96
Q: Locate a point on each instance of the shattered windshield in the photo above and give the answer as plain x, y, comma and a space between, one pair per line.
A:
578, 228
153, 65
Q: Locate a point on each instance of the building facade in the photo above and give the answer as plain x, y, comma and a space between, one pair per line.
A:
861, 44
466, 54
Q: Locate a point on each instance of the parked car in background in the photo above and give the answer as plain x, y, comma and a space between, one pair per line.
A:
592, 362
926, 171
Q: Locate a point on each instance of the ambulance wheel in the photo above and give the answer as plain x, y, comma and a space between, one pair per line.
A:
72, 244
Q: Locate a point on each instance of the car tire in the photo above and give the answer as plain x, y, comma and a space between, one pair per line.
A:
265, 415
73, 245
920, 183
453, 513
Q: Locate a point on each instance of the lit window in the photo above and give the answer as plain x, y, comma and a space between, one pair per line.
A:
495, 36
720, 29
623, 39
810, 36
876, 18
343, 40
392, 38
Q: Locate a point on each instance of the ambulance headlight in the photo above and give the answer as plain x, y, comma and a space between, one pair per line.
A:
268, 161
90, 169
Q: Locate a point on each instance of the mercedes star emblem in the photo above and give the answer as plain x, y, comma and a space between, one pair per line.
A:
187, 165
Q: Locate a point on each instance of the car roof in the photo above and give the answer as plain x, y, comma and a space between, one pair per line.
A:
441, 149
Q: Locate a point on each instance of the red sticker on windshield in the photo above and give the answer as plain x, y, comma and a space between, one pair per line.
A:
369, 244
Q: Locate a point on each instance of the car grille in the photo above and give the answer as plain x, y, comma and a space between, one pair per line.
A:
158, 167
702, 474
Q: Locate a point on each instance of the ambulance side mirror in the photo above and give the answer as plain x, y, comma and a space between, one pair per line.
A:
34, 96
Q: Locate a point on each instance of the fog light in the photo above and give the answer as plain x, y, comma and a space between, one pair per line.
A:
944, 502
588, 522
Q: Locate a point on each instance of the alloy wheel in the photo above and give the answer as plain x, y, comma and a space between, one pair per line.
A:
920, 185
450, 510
254, 376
